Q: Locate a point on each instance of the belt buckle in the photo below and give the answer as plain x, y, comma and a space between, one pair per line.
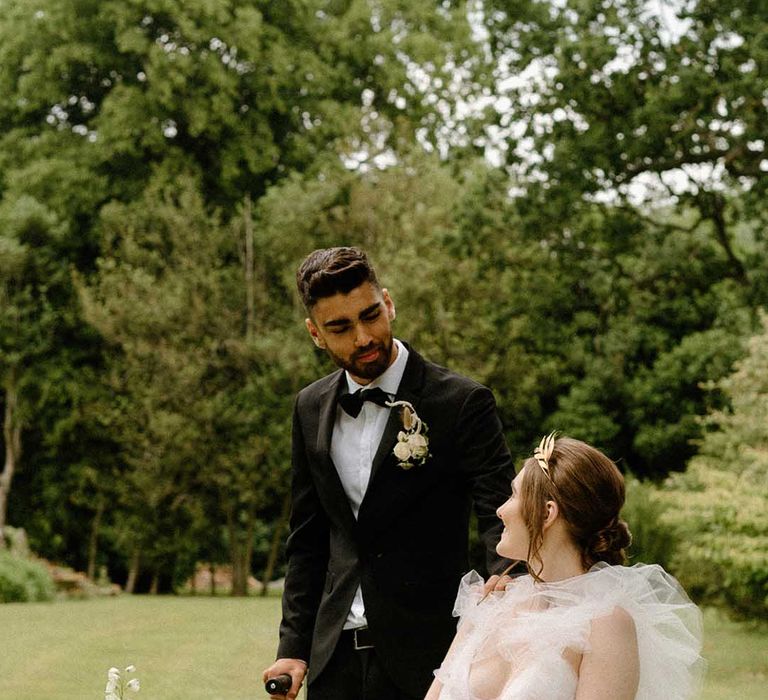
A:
358, 646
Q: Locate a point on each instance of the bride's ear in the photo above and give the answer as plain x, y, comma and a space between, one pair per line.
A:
553, 512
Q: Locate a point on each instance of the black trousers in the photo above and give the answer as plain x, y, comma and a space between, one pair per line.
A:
353, 674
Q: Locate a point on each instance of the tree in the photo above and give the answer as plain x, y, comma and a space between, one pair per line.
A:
628, 105
634, 146
651, 317
28, 270
717, 508
148, 303
240, 94
203, 372
103, 98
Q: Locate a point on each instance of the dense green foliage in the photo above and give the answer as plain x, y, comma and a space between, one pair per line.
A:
589, 242
709, 525
108, 107
23, 580
717, 508
639, 144
653, 541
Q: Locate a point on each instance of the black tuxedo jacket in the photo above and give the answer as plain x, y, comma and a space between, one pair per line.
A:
408, 547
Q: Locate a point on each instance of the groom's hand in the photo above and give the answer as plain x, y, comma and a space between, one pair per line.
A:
496, 583
295, 668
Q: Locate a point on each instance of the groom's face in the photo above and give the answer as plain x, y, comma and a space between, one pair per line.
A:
355, 330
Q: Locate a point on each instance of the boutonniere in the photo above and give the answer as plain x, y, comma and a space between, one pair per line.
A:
412, 446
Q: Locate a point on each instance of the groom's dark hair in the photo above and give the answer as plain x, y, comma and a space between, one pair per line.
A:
330, 271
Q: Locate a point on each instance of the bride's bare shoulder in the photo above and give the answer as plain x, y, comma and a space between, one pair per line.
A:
617, 626
611, 668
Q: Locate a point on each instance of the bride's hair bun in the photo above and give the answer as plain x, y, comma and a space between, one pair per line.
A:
609, 543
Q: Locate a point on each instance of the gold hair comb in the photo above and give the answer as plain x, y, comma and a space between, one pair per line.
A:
543, 452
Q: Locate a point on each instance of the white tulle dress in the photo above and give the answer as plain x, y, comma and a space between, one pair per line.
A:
514, 645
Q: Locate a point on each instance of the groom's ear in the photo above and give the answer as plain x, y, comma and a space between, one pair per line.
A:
389, 304
314, 333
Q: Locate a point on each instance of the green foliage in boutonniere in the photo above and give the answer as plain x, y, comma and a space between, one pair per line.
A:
412, 446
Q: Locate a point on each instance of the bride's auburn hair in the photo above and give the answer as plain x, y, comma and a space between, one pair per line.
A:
589, 491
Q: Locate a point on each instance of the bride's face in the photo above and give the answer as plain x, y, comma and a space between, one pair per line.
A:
514, 539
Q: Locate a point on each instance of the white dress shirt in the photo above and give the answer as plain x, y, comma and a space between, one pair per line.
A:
354, 444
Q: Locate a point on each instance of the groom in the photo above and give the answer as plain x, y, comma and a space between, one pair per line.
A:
381, 496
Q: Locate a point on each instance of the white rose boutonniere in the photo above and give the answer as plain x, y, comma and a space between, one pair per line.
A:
412, 446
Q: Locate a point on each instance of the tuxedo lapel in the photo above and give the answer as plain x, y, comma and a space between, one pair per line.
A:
327, 415
330, 475
388, 439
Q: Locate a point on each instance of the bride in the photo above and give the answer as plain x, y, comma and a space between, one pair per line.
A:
580, 625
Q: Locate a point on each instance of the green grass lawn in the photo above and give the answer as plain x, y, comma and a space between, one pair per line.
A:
737, 658
215, 648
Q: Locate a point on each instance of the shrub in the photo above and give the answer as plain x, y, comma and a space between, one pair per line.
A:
721, 521
717, 508
23, 580
16, 540
653, 541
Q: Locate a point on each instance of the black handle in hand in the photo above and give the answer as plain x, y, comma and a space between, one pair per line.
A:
279, 685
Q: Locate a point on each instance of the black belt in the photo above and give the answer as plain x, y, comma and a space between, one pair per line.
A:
360, 637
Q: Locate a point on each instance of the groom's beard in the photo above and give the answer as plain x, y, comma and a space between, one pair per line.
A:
366, 370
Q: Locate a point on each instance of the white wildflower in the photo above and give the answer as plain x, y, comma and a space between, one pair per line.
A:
116, 686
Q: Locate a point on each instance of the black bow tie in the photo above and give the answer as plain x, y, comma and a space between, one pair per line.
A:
353, 403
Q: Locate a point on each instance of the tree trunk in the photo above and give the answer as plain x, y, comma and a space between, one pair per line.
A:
269, 569
250, 292
155, 584
93, 541
239, 583
212, 569
133, 571
248, 553
12, 439
712, 205
241, 550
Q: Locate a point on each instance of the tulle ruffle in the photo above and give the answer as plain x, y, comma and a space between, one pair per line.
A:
511, 647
